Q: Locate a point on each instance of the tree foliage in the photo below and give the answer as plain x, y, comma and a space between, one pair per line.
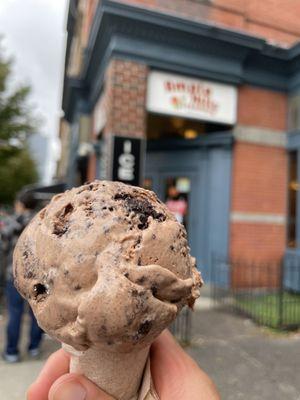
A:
16, 123
16, 170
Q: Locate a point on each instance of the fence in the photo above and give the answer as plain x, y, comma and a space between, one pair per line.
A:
182, 326
268, 293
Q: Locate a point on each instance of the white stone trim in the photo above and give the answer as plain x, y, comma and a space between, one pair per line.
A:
258, 218
260, 136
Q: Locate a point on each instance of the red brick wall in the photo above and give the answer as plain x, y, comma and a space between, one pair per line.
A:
123, 101
256, 252
259, 181
280, 14
262, 108
274, 35
253, 274
275, 20
257, 242
126, 86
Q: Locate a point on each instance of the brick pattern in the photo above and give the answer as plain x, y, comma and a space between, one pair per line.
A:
226, 18
259, 182
196, 10
257, 242
193, 10
126, 84
272, 19
274, 35
235, 6
275, 20
279, 14
123, 103
259, 179
255, 274
263, 108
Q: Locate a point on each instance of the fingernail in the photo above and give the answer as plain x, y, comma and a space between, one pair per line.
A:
70, 391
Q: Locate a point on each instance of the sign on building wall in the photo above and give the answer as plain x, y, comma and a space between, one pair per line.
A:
127, 160
191, 98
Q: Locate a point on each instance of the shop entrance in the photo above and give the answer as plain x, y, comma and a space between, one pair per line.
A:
178, 180
193, 178
178, 189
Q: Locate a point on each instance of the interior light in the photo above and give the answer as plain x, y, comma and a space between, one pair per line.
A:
190, 134
177, 122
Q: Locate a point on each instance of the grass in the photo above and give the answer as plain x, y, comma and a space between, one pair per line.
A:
265, 309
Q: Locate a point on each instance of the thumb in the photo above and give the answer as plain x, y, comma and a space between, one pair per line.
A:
76, 387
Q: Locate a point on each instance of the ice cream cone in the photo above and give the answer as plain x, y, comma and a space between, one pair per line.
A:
115, 273
118, 374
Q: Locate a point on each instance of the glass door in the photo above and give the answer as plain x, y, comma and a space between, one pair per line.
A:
177, 179
177, 196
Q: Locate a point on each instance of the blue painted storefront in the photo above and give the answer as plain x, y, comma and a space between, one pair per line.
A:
291, 261
207, 164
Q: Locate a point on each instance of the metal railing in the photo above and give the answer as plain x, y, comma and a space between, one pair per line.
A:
181, 328
268, 293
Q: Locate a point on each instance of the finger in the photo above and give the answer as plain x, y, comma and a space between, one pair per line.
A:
56, 365
175, 373
168, 363
76, 387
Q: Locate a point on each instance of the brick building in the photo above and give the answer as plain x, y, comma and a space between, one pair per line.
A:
213, 89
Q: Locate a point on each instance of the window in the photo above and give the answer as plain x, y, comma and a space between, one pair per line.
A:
177, 191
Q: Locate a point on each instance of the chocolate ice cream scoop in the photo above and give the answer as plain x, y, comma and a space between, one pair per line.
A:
106, 267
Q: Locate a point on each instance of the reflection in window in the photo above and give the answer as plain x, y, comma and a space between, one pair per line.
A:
177, 191
294, 186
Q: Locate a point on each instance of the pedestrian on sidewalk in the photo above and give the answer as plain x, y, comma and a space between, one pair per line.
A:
25, 207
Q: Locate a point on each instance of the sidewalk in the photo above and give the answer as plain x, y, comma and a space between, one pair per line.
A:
245, 362
16, 378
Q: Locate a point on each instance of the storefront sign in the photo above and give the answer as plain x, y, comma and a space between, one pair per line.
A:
127, 160
191, 98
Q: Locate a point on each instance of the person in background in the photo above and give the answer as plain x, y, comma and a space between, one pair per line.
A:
177, 204
25, 206
3, 216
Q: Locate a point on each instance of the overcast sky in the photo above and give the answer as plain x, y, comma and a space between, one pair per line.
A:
34, 34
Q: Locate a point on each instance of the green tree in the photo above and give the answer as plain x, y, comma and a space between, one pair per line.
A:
16, 123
